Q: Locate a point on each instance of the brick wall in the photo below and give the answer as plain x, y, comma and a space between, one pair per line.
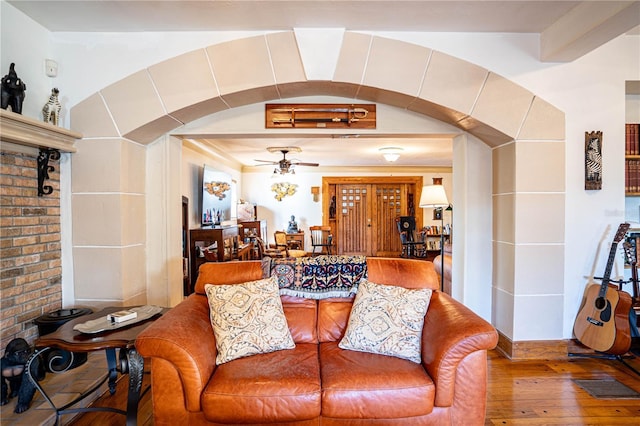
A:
30, 263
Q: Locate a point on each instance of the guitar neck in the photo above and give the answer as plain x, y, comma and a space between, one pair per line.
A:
607, 272
622, 229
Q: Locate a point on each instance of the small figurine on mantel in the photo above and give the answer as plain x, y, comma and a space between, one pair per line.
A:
293, 226
51, 110
13, 90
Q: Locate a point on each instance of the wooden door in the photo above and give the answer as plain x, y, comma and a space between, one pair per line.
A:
362, 210
366, 218
353, 214
390, 202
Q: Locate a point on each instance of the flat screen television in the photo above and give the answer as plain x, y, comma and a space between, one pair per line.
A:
216, 197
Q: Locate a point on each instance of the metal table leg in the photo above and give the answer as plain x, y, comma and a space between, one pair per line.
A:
65, 408
113, 369
131, 362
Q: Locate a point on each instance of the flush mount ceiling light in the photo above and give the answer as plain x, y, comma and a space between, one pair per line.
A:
391, 153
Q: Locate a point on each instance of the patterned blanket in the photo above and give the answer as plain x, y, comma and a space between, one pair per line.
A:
319, 277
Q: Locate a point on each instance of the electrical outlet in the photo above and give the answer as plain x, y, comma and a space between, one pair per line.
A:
51, 67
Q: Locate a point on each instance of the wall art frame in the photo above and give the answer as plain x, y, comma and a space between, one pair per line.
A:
593, 160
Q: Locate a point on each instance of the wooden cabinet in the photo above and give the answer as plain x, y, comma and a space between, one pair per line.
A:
211, 245
295, 241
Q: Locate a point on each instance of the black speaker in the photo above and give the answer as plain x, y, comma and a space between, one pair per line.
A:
407, 224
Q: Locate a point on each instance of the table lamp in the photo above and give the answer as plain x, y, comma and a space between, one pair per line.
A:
434, 196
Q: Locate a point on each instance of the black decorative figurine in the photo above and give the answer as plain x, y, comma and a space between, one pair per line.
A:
14, 364
13, 91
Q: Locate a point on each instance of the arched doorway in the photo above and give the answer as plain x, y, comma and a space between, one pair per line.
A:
132, 118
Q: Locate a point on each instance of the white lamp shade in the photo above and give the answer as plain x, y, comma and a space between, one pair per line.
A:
433, 196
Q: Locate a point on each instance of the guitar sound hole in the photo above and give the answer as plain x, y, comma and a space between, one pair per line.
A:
605, 315
601, 302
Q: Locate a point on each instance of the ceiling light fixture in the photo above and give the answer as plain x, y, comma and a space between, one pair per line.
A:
285, 166
391, 153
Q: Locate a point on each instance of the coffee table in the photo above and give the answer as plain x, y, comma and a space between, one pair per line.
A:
129, 361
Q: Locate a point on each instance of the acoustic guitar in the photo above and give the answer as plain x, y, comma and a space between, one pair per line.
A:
602, 323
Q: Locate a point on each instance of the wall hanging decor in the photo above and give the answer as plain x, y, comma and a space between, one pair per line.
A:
592, 160
330, 116
282, 189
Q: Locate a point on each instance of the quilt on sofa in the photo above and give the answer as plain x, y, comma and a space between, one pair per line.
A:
318, 277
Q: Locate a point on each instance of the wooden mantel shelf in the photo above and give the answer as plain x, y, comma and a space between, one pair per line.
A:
21, 130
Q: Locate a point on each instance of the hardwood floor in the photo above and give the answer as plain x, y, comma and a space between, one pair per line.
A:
539, 392
118, 400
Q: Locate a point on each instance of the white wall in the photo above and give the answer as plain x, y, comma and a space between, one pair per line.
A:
27, 44
632, 108
473, 211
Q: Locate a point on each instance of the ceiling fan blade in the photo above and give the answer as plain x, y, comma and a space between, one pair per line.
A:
267, 162
305, 164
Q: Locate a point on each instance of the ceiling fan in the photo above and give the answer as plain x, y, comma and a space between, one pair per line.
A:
285, 165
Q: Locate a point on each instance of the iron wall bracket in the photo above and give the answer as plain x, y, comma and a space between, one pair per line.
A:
44, 168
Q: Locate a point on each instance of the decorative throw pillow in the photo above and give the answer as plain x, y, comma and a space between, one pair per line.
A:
247, 319
387, 320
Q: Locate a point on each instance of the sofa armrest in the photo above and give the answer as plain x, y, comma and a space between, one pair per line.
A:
184, 338
452, 332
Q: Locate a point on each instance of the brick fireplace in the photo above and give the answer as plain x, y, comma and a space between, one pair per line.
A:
30, 239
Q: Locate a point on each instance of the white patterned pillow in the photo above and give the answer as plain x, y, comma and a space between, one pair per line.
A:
247, 319
387, 320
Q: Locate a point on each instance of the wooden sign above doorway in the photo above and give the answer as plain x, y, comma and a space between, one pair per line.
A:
330, 116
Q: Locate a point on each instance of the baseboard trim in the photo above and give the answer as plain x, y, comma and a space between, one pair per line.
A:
532, 349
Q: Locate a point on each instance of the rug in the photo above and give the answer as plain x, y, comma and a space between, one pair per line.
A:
607, 389
319, 277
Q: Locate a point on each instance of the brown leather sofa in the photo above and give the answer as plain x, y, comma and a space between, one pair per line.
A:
317, 383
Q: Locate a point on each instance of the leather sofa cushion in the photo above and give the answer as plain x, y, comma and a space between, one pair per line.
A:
333, 315
227, 273
302, 317
400, 272
276, 387
359, 385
